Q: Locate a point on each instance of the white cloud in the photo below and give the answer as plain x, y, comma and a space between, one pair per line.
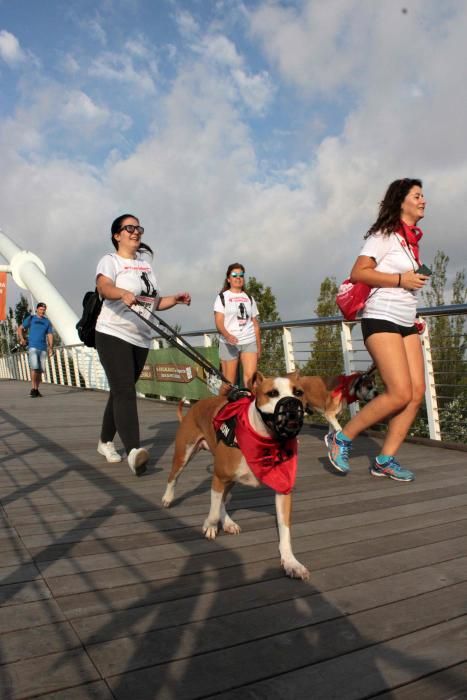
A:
70, 64
196, 180
220, 49
97, 31
318, 46
187, 25
121, 68
10, 49
256, 90
78, 105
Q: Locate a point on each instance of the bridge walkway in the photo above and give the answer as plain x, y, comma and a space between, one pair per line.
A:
105, 594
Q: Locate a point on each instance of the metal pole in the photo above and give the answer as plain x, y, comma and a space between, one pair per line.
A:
28, 272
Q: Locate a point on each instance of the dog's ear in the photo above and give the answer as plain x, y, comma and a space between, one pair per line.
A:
255, 381
371, 370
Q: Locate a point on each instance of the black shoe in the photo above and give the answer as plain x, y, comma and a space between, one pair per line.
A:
33, 393
38, 393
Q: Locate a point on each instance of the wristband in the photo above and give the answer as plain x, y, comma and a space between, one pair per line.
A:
400, 277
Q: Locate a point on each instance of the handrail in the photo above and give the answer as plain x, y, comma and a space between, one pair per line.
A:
445, 400
446, 310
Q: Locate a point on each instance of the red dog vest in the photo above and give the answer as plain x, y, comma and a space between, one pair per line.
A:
272, 462
342, 390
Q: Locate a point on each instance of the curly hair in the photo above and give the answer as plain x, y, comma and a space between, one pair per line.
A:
389, 214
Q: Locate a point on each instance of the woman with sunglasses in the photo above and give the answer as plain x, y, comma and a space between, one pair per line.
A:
122, 338
236, 318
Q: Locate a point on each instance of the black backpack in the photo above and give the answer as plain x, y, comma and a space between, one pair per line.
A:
86, 326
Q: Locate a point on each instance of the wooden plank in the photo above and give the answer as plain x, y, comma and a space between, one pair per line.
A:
90, 691
64, 669
39, 641
449, 684
143, 540
288, 625
28, 615
368, 670
138, 615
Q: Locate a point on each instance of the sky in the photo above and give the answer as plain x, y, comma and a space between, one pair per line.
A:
263, 132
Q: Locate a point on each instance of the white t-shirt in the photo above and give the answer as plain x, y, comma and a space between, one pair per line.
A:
115, 317
395, 304
239, 312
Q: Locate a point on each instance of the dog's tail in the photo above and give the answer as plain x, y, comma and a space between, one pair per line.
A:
181, 403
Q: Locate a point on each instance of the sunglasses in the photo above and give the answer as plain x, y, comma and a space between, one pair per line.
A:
237, 274
131, 229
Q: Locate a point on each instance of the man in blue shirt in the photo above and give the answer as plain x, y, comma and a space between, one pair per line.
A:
40, 339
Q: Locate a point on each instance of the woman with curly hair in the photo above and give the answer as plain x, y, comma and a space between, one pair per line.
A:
389, 262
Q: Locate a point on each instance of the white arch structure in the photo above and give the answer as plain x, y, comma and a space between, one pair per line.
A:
28, 271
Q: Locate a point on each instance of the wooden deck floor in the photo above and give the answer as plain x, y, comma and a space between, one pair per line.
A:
105, 594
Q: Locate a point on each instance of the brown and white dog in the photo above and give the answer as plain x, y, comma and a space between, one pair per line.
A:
330, 395
197, 431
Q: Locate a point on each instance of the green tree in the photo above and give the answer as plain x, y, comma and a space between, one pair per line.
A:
272, 353
326, 350
21, 310
8, 337
447, 333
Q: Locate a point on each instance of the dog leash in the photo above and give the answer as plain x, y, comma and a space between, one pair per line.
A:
215, 376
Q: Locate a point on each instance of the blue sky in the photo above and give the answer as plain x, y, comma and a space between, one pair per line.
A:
259, 131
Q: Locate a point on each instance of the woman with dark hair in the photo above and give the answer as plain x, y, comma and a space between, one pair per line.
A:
236, 318
122, 338
389, 262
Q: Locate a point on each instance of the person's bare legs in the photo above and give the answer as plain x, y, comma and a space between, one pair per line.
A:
229, 370
249, 362
399, 424
400, 364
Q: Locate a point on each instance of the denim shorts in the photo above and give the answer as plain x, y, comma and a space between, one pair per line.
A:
380, 325
37, 359
232, 352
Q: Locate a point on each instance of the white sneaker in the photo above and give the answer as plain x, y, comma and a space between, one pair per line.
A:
107, 450
137, 460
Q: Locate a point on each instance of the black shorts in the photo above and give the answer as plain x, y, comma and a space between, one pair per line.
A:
380, 325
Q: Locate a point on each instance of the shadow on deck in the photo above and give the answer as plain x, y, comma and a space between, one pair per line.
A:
105, 594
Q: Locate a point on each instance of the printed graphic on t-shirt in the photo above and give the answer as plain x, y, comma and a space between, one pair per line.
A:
148, 290
242, 313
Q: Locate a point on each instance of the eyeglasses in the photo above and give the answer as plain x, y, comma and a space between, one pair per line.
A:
131, 229
237, 274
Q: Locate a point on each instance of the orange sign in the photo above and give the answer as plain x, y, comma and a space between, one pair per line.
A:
3, 296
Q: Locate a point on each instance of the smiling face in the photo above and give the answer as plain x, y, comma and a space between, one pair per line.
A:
413, 206
128, 241
236, 279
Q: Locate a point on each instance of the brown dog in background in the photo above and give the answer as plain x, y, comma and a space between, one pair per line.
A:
330, 395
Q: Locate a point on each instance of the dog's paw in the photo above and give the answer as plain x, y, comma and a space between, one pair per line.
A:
168, 496
294, 569
210, 530
230, 527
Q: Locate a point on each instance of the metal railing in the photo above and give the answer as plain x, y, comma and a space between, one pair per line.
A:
443, 416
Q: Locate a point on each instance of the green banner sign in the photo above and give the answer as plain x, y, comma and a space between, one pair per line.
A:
169, 372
